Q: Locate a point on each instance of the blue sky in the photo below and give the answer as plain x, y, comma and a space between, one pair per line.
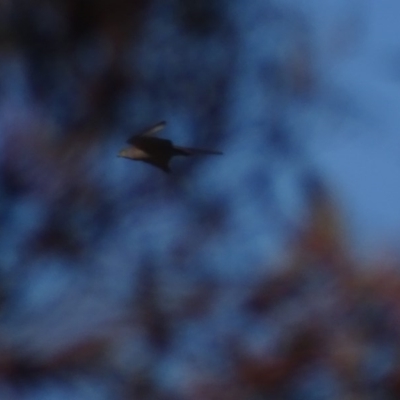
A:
352, 132
360, 155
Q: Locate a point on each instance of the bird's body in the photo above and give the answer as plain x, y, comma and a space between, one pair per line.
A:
156, 151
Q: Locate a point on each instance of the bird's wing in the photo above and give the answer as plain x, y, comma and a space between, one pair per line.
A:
148, 132
190, 151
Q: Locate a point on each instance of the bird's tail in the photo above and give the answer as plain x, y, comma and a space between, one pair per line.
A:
190, 151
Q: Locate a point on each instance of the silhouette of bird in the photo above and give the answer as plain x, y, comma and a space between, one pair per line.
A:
144, 146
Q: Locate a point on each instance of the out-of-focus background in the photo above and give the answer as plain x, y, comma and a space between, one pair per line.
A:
271, 272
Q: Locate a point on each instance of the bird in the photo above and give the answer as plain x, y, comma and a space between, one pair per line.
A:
145, 146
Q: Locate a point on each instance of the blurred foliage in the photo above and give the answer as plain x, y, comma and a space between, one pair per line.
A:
108, 283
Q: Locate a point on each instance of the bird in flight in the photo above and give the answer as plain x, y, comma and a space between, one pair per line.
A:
144, 146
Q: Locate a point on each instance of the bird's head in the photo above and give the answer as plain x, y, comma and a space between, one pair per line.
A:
133, 153
123, 153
